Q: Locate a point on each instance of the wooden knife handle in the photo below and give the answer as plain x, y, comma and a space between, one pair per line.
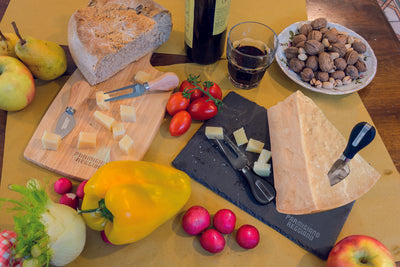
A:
165, 82
79, 92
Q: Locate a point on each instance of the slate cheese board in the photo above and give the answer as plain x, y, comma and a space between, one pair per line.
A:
201, 160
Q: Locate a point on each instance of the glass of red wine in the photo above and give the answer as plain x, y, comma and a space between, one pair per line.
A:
250, 50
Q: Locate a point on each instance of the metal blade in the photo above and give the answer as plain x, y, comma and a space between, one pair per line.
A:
65, 124
137, 90
339, 170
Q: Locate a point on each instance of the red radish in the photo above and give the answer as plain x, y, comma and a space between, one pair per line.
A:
212, 241
247, 236
104, 238
80, 190
70, 199
195, 220
62, 186
224, 221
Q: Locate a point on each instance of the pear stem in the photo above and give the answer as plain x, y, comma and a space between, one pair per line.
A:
2, 37
17, 33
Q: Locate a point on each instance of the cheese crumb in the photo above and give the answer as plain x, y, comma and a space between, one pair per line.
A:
100, 97
50, 141
264, 156
262, 169
87, 140
126, 144
254, 146
104, 119
240, 136
128, 113
118, 130
213, 132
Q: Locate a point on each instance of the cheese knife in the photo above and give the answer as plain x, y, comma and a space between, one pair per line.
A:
79, 92
362, 134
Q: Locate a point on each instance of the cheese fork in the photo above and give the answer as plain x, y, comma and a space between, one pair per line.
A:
262, 190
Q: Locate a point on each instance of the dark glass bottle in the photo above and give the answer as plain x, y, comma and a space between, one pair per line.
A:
205, 29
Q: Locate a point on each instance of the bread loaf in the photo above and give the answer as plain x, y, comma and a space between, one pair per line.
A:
304, 145
107, 35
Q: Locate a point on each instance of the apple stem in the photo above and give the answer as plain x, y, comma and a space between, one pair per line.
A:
2, 37
17, 33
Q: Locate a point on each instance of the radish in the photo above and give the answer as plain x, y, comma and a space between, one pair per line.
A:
80, 192
247, 236
224, 221
104, 238
70, 199
62, 186
212, 241
195, 220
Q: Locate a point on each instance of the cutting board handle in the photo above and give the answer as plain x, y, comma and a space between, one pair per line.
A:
79, 92
165, 82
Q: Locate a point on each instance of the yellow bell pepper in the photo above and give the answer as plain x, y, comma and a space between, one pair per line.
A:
130, 199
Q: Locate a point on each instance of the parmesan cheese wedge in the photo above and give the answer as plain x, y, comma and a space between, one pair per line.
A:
118, 130
104, 119
127, 113
87, 140
100, 97
126, 144
254, 146
265, 156
304, 145
262, 169
213, 132
50, 141
240, 137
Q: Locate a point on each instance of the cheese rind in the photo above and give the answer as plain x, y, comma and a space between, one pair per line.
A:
118, 130
104, 119
86, 140
214, 132
304, 145
254, 146
127, 113
126, 144
240, 137
50, 141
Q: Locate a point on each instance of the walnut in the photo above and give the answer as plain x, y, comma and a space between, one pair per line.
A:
360, 65
312, 63
340, 63
315, 35
323, 30
298, 38
296, 65
291, 52
351, 57
338, 75
313, 47
351, 71
342, 39
319, 23
307, 74
339, 48
322, 76
300, 44
325, 62
360, 47
331, 35
305, 29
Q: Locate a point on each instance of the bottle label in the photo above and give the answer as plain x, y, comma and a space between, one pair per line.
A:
221, 16
189, 20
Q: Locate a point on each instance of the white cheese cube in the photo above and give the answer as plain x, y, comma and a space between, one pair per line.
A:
50, 141
100, 97
240, 136
213, 132
264, 156
126, 144
262, 169
118, 130
142, 76
87, 140
104, 119
128, 113
254, 146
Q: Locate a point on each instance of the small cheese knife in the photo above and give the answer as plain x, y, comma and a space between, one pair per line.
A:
361, 135
79, 92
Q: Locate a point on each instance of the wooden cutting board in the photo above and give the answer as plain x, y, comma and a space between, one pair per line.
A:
81, 164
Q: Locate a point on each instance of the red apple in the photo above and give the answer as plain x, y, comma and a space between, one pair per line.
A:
360, 250
17, 87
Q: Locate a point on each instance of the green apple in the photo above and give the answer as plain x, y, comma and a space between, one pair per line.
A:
17, 87
360, 250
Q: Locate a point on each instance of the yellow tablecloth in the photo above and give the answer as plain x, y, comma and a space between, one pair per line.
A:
377, 213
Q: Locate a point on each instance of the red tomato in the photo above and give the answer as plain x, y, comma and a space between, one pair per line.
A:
202, 109
186, 86
213, 89
180, 123
177, 102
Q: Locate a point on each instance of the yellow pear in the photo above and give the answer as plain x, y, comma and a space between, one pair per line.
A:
7, 44
46, 60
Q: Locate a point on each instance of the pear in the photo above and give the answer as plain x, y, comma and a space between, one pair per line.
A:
7, 44
46, 60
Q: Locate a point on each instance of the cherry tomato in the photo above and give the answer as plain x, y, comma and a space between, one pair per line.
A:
213, 89
180, 123
177, 102
202, 109
187, 85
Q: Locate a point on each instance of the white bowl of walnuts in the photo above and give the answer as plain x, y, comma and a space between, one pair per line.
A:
325, 57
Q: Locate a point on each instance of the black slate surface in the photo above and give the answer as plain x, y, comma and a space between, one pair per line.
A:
202, 160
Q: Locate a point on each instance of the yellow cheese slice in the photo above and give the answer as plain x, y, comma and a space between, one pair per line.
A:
214, 132
104, 119
240, 136
304, 145
265, 156
254, 146
87, 140
126, 144
127, 113
50, 141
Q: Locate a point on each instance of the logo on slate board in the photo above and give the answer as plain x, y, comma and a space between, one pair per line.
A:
301, 228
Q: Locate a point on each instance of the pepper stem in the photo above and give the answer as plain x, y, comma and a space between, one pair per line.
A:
102, 209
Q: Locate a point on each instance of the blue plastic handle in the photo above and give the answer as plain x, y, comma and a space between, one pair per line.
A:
361, 135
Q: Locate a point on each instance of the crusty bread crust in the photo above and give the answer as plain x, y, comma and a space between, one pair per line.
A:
106, 36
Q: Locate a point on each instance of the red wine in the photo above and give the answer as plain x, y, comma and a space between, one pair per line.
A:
205, 29
245, 70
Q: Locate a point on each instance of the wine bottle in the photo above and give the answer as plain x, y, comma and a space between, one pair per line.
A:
205, 29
